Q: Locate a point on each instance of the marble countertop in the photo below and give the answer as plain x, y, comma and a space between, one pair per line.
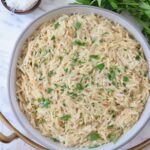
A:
11, 26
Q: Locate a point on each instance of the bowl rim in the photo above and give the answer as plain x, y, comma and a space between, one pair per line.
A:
21, 35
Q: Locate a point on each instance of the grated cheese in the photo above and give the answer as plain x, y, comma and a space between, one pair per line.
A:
21, 4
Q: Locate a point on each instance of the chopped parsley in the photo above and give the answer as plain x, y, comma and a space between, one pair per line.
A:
145, 73
125, 79
142, 101
125, 49
78, 42
81, 62
126, 68
65, 117
44, 61
84, 78
40, 51
93, 39
110, 91
75, 34
49, 90
125, 90
64, 104
43, 102
65, 70
100, 67
56, 25
111, 137
94, 57
40, 121
77, 25
60, 58
51, 73
93, 136
96, 117
124, 84
110, 126
105, 33
79, 87
35, 65
111, 75
65, 50
63, 87
54, 139
102, 40
138, 56
75, 59
53, 37
41, 78
112, 112
87, 85
56, 85
72, 94
47, 50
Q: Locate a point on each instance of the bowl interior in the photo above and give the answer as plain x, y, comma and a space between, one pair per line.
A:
33, 133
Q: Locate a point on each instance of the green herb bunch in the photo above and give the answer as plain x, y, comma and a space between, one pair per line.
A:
139, 9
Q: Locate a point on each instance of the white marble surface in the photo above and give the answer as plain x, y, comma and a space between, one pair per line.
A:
11, 26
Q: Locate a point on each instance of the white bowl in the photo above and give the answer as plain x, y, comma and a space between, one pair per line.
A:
12, 74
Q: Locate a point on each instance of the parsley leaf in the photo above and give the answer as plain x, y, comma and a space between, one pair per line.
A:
78, 42
100, 67
53, 37
54, 139
137, 57
126, 68
114, 4
111, 137
51, 73
63, 87
75, 59
94, 57
110, 126
125, 79
40, 121
93, 136
65, 117
77, 25
56, 25
60, 58
49, 90
65, 70
111, 75
43, 102
79, 87
72, 94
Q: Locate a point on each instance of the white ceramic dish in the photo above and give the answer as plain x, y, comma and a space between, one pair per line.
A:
12, 75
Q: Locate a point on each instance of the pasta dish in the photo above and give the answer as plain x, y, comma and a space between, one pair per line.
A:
82, 80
